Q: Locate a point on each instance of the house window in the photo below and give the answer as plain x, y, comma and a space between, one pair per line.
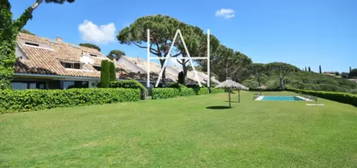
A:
71, 65
28, 85
75, 84
98, 68
32, 44
19, 85
93, 55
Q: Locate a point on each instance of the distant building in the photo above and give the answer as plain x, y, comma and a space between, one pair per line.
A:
333, 74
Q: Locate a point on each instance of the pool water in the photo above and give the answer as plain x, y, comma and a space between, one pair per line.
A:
281, 98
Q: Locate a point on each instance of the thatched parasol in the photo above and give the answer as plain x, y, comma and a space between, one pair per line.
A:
230, 84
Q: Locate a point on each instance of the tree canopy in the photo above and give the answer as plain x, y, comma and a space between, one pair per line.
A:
162, 28
162, 31
227, 63
258, 71
115, 54
90, 45
283, 69
353, 73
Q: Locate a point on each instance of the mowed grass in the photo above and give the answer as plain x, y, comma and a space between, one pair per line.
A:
182, 132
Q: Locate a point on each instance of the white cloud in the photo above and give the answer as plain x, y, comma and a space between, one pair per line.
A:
226, 13
102, 34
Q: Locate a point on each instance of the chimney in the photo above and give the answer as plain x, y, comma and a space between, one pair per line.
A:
59, 39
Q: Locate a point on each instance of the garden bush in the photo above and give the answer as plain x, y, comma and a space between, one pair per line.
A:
217, 90
187, 92
131, 84
26, 100
163, 93
176, 85
341, 97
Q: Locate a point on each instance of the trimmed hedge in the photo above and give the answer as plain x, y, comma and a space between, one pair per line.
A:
341, 97
163, 93
214, 90
131, 84
26, 100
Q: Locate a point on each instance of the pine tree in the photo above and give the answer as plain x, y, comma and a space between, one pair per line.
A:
320, 69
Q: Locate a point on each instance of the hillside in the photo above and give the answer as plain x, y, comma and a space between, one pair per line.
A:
270, 79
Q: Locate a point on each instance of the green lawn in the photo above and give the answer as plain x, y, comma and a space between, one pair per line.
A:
182, 132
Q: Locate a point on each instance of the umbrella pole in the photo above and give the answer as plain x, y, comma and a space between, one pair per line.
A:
238, 95
229, 97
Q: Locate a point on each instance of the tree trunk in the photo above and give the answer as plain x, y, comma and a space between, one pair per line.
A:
281, 80
258, 80
183, 63
281, 83
163, 78
184, 69
226, 71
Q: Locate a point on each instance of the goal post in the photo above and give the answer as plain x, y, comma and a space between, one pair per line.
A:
168, 57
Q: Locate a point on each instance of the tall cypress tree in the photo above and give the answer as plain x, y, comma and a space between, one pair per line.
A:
112, 75
320, 69
104, 74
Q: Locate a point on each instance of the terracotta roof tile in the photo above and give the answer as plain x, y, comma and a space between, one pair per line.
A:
47, 56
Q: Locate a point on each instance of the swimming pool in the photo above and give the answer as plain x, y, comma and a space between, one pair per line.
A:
281, 98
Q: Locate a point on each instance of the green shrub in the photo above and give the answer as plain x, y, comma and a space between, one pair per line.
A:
176, 85
203, 91
133, 84
26, 100
341, 97
217, 90
187, 92
163, 93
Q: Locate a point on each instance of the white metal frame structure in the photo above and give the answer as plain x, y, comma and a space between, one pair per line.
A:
168, 57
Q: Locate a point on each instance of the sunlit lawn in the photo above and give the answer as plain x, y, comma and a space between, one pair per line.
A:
182, 132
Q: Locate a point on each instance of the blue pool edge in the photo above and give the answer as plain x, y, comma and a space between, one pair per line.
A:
261, 98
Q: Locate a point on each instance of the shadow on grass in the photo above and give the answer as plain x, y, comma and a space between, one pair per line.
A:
218, 107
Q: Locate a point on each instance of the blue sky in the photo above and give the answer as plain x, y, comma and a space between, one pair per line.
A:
300, 32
